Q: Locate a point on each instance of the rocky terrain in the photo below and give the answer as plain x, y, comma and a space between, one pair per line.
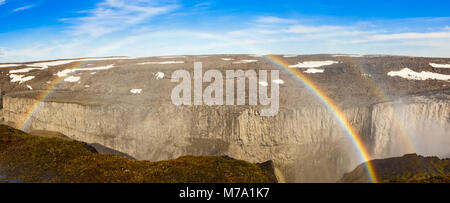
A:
397, 105
410, 168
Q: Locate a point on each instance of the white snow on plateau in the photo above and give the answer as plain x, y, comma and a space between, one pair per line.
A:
171, 57
313, 70
278, 82
159, 75
313, 64
65, 72
45, 65
412, 75
245, 61
72, 79
20, 78
290, 56
227, 59
29, 87
136, 91
435, 65
161, 63
9, 65
24, 70
347, 55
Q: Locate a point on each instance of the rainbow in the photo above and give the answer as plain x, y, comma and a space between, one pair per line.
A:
385, 99
329, 103
24, 123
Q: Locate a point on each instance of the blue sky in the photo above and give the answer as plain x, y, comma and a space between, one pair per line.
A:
52, 29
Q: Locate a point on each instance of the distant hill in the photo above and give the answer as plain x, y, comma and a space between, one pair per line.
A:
28, 158
410, 168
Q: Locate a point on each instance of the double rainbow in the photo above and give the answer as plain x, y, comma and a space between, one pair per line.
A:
303, 79
330, 104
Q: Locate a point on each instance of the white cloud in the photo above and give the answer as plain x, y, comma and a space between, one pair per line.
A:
2, 2
314, 29
204, 4
273, 19
412, 35
134, 37
113, 15
23, 8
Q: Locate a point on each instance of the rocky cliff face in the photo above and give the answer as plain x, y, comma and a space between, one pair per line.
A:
412, 124
306, 144
304, 140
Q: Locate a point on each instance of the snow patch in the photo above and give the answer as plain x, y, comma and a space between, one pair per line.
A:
29, 87
23, 70
171, 57
136, 91
45, 65
20, 78
290, 56
72, 79
227, 59
159, 75
435, 65
313, 64
9, 65
347, 55
412, 75
313, 70
161, 63
245, 61
65, 72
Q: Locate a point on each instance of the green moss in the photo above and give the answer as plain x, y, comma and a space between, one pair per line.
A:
40, 159
410, 168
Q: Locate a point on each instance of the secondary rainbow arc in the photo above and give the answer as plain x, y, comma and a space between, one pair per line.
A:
331, 105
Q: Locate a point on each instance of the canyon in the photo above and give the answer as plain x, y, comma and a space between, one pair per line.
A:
392, 116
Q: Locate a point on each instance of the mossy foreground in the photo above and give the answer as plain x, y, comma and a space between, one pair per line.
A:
410, 168
27, 158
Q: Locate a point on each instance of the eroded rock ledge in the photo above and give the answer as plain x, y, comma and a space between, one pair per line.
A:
305, 144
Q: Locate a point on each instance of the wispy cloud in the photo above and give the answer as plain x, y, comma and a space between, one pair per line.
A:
2, 2
113, 15
204, 4
406, 36
135, 37
23, 8
276, 20
314, 29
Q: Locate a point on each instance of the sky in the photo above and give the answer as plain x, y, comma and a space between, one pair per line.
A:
54, 29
